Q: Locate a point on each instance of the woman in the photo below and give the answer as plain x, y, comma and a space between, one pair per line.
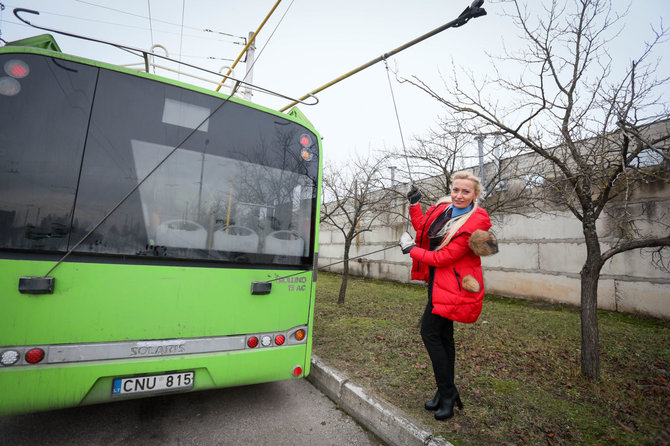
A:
447, 257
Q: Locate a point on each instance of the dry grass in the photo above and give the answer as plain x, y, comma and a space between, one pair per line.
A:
518, 367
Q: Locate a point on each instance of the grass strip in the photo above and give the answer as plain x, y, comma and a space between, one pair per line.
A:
517, 367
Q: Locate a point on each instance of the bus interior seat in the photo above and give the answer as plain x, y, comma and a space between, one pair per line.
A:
181, 234
287, 243
235, 238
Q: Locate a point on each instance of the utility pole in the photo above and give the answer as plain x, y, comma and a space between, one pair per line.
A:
392, 168
480, 143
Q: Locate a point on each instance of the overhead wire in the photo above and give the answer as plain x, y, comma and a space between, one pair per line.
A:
249, 43
181, 36
160, 21
124, 25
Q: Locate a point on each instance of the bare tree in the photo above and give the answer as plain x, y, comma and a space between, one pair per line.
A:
591, 130
354, 197
431, 160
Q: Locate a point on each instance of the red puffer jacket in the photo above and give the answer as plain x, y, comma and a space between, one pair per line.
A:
452, 264
421, 223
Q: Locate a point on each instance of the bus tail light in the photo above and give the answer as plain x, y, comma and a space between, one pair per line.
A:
300, 335
35, 355
294, 336
297, 371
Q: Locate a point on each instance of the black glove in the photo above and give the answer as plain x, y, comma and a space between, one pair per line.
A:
414, 194
406, 242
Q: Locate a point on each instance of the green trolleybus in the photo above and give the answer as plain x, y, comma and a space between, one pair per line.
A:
154, 236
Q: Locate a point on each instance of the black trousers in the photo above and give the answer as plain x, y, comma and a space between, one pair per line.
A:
437, 333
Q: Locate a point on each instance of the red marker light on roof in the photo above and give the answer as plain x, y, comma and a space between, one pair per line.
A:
305, 140
18, 69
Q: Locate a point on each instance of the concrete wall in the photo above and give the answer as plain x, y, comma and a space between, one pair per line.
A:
540, 258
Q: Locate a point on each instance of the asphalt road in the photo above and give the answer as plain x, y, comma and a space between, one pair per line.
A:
283, 413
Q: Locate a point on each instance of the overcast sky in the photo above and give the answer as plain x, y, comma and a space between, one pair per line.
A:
314, 42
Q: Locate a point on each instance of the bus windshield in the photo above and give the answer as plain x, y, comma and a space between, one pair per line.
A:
241, 186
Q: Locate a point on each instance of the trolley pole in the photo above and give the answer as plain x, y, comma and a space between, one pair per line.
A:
472, 11
251, 51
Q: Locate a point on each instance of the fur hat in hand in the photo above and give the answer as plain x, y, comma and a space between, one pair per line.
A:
483, 243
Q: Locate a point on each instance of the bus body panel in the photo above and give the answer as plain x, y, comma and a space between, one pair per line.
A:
41, 388
106, 302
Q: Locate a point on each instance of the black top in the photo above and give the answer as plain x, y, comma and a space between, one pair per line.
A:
435, 241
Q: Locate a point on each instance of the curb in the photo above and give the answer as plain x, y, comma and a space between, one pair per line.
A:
388, 422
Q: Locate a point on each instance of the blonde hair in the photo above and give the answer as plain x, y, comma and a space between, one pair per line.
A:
455, 224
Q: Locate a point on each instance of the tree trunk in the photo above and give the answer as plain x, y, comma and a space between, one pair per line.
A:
589, 299
345, 273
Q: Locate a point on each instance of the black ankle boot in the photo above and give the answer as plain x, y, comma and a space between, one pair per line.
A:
446, 409
434, 403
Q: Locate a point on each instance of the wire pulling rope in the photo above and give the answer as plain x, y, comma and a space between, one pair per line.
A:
332, 264
397, 117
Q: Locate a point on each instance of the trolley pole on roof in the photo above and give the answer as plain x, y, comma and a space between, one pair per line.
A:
472, 11
249, 43
251, 52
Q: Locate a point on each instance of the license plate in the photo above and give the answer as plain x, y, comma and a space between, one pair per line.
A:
166, 382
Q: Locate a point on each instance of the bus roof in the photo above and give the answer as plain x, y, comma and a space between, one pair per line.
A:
43, 41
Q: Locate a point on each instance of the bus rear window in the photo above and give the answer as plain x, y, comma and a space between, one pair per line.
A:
76, 140
235, 190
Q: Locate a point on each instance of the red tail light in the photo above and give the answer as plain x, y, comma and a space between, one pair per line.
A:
252, 342
297, 371
279, 339
35, 355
